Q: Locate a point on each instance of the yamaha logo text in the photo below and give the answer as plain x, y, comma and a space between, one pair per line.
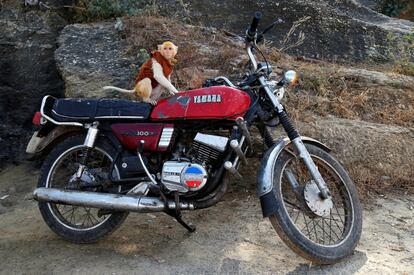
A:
207, 99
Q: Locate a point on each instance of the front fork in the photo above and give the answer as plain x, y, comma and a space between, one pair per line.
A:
89, 143
297, 141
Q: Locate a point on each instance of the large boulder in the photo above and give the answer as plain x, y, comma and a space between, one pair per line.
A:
373, 153
91, 56
28, 71
341, 30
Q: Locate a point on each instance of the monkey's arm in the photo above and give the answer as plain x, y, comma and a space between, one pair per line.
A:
160, 78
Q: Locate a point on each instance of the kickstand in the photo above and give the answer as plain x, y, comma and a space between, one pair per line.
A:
177, 214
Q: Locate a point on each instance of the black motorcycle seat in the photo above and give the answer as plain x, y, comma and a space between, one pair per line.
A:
82, 109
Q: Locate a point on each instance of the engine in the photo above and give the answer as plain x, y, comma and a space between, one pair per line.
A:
191, 173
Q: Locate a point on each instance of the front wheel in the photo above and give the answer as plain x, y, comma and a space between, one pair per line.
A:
322, 231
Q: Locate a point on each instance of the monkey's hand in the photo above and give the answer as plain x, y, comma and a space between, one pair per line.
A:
151, 101
172, 93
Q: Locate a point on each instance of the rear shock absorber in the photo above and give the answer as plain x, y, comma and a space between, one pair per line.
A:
89, 143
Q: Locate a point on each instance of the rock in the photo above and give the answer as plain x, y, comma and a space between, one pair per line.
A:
28, 71
368, 150
373, 78
91, 56
28, 196
375, 5
119, 25
2, 209
4, 197
336, 30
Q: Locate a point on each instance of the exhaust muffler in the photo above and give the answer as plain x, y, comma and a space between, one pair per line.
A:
118, 202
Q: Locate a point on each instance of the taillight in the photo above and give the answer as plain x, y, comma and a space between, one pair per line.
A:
36, 118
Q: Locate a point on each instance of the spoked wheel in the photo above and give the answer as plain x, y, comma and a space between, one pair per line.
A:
76, 223
323, 231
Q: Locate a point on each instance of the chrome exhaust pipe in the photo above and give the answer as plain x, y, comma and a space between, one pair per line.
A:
140, 203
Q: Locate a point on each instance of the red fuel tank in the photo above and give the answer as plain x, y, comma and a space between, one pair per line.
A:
218, 102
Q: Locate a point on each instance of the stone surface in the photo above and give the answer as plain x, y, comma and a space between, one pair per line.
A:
91, 56
336, 30
28, 71
2, 209
231, 238
373, 78
376, 150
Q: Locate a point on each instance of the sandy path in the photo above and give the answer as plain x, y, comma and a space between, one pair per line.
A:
231, 237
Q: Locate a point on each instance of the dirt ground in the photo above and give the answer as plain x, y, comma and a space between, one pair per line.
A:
231, 237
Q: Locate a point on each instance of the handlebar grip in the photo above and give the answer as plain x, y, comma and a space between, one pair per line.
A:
255, 22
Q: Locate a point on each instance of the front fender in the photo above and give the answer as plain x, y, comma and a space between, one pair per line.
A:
265, 174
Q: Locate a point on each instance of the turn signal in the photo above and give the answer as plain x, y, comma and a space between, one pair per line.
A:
290, 77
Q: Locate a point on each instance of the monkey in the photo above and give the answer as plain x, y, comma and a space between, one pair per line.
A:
154, 74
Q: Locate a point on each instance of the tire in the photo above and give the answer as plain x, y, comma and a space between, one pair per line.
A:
58, 163
296, 230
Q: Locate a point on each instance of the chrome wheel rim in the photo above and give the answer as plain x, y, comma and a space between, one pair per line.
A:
76, 218
325, 231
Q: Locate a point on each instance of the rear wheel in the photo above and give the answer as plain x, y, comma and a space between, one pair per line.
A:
75, 223
323, 231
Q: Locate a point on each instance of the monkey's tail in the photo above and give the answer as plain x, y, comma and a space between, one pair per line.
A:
118, 89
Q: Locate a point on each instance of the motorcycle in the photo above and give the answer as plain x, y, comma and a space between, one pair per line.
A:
109, 157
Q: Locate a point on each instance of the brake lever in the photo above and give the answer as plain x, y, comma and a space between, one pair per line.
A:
268, 28
260, 37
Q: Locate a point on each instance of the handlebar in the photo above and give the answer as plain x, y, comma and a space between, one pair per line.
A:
251, 32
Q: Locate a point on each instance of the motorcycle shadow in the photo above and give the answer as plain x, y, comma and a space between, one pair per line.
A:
351, 264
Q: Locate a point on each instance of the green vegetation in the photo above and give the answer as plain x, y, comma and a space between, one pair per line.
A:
402, 52
394, 8
92, 10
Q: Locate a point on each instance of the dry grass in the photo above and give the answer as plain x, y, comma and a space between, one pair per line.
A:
369, 181
323, 91
198, 48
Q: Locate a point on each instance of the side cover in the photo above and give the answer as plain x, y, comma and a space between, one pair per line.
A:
156, 136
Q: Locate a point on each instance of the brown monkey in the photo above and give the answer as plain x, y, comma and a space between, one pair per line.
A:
154, 74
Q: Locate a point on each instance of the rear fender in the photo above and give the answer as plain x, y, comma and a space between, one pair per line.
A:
42, 141
39, 142
265, 174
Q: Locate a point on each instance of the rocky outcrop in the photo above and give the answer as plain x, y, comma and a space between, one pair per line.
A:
373, 152
28, 71
341, 30
376, 5
369, 78
91, 56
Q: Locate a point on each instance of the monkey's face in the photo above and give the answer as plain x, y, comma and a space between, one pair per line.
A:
168, 50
